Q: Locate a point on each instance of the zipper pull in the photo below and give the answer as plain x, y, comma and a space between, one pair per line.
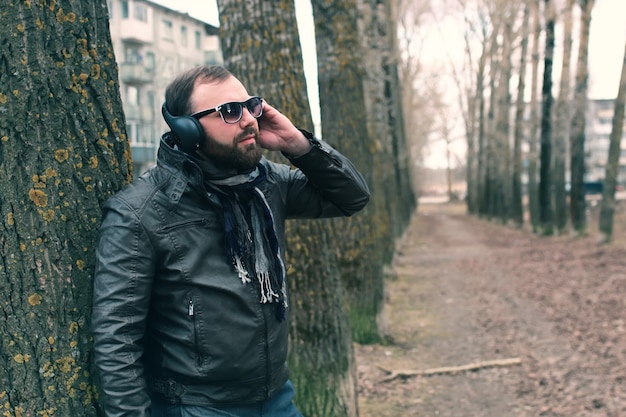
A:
190, 310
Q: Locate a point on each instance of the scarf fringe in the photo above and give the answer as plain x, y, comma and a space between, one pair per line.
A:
242, 273
267, 293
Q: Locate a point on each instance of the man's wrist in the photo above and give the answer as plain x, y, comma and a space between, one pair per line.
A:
299, 146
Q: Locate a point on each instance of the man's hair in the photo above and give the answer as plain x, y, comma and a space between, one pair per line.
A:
178, 92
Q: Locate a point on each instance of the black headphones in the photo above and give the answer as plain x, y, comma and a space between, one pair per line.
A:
187, 130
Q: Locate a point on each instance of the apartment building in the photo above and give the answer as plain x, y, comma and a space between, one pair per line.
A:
153, 43
597, 139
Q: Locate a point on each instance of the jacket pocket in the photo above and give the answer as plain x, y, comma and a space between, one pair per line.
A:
198, 327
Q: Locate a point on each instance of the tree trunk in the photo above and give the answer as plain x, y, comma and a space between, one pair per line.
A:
561, 126
347, 122
481, 163
612, 167
533, 155
517, 208
63, 152
502, 128
545, 173
405, 201
577, 138
491, 163
260, 44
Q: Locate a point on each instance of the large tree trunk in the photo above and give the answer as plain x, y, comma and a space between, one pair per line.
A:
63, 152
260, 44
546, 213
612, 167
577, 139
345, 124
384, 98
561, 126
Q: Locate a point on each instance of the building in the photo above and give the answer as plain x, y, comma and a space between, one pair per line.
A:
597, 139
153, 43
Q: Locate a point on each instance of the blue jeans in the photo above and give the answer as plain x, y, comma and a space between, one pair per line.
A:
280, 405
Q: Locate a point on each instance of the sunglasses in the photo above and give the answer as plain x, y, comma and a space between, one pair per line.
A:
232, 112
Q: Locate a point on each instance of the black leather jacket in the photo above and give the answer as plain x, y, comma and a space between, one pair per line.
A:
170, 316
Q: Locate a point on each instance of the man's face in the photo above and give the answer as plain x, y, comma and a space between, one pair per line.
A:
231, 146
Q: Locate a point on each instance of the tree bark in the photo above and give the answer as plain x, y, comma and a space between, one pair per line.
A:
546, 211
517, 207
344, 116
577, 138
607, 208
63, 152
260, 44
561, 126
533, 154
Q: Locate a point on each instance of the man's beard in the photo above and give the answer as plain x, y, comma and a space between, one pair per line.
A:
233, 157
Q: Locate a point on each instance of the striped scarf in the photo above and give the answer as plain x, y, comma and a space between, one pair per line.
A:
250, 238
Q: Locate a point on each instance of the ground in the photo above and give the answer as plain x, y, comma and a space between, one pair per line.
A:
466, 291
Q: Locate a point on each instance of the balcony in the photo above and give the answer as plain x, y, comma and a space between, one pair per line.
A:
133, 30
131, 73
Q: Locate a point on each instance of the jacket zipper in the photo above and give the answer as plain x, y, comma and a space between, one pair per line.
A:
191, 314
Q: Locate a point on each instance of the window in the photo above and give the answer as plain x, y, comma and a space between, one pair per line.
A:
141, 12
125, 13
150, 63
132, 95
167, 29
132, 55
198, 40
183, 35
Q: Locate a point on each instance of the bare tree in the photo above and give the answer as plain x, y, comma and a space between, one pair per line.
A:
546, 211
533, 154
260, 43
517, 208
607, 209
561, 123
577, 134
63, 152
341, 72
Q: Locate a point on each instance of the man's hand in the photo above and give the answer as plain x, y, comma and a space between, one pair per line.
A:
277, 133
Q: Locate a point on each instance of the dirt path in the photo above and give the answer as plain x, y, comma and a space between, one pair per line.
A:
469, 291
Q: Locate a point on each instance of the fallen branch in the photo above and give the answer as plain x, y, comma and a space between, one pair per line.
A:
404, 374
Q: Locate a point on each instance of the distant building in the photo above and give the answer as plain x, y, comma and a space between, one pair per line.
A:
153, 43
599, 124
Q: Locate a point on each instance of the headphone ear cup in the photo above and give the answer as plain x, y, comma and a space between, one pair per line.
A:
187, 130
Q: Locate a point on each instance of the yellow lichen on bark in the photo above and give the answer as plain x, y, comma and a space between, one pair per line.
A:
19, 358
38, 197
80, 264
61, 155
95, 71
35, 299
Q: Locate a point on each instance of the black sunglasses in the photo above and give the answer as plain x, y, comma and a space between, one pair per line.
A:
233, 111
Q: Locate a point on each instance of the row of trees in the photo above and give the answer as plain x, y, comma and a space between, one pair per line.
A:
64, 151
504, 116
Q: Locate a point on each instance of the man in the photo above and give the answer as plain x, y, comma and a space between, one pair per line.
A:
190, 297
